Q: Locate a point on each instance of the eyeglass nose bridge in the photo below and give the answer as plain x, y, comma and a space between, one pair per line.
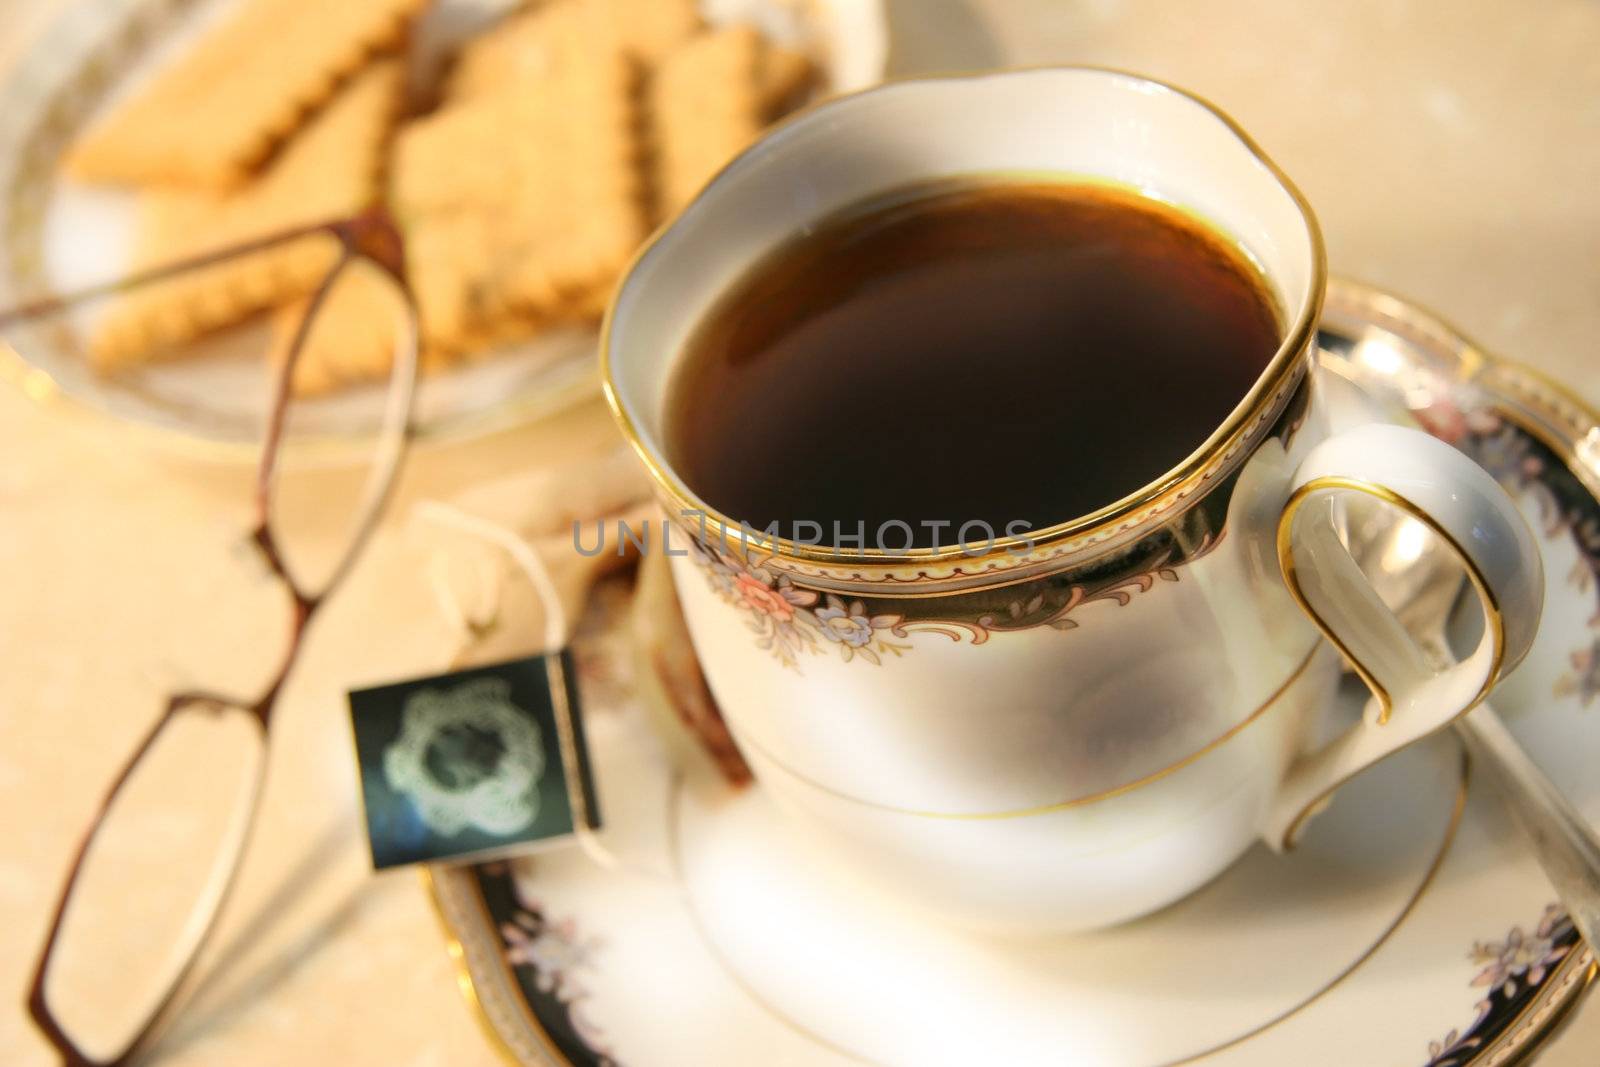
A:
373, 235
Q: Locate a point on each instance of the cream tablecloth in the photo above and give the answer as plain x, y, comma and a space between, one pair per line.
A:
1452, 150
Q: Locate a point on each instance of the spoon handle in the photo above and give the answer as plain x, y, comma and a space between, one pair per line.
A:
1565, 843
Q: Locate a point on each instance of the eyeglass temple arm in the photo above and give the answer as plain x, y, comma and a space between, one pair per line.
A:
54, 305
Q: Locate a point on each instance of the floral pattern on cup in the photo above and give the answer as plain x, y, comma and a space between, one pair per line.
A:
790, 621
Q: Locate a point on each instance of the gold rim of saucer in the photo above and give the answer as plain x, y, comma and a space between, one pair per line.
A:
1220, 451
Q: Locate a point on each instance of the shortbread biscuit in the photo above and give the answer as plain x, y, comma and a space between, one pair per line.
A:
449, 261
330, 170
526, 45
219, 109
440, 161
650, 29
784, 79
705, 107
529, 199
709, 99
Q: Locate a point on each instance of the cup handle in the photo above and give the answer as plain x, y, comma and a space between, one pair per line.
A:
1411, 697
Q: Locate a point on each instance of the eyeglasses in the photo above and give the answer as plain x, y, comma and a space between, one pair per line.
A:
207, 750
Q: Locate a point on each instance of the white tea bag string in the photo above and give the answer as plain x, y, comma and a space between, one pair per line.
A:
520, 551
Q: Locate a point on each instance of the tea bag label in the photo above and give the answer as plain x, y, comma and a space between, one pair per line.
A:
473, 763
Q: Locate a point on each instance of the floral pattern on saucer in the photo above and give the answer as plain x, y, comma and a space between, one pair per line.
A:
1512, 971
547, 957
1524, 464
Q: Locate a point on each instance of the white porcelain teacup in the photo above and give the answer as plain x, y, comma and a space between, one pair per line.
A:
1077, 731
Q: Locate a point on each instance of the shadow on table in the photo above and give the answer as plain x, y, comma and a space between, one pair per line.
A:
213, 1002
